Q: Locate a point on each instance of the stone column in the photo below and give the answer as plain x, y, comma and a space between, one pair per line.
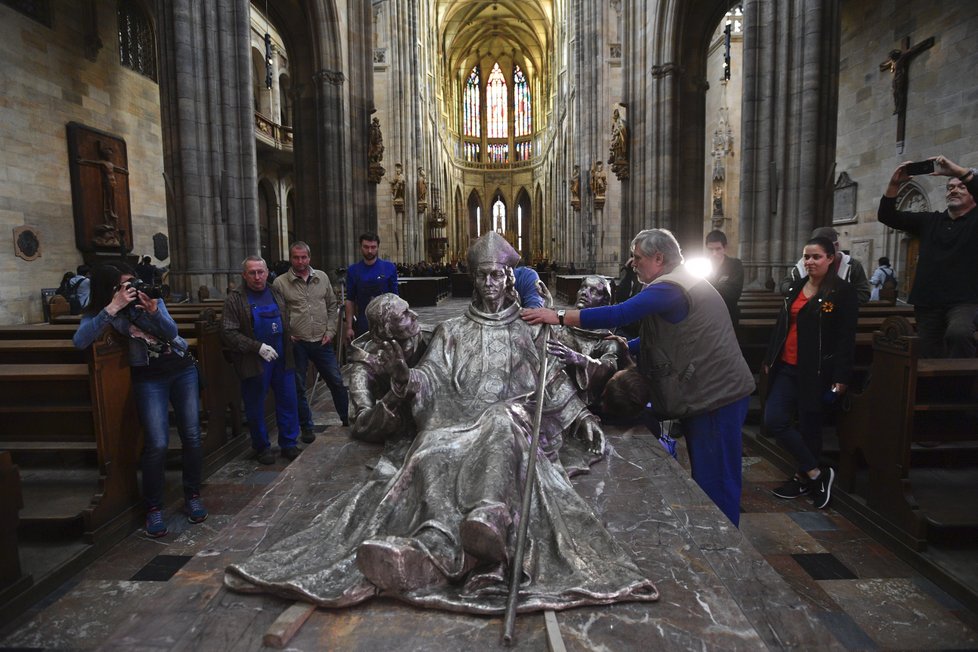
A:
208, 139
791, 52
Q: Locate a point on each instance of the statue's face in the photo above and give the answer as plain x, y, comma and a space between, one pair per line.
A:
402, 322
593, 293
490, 281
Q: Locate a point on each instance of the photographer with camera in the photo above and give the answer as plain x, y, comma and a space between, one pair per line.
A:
945, 288
163, 373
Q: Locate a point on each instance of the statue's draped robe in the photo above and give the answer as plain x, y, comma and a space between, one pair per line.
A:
472, 405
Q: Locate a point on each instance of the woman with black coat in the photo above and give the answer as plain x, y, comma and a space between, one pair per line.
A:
808, 362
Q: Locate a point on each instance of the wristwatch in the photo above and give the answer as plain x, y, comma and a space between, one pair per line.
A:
970, 172
560, 316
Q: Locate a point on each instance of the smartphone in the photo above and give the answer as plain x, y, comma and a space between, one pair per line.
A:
919, 167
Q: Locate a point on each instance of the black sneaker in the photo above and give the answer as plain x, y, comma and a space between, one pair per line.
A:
290, 453
308, 436
266, 456
822, 493
793, 488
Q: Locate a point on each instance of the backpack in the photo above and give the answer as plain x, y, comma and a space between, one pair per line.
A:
69, 291
889, 280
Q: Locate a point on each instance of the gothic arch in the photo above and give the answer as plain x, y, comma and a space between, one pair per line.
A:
538, 244
476, 216
522, 224
268, 220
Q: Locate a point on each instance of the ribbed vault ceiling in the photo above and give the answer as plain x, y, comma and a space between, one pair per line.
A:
470, 30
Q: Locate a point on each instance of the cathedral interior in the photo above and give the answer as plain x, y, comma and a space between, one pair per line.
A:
200, 133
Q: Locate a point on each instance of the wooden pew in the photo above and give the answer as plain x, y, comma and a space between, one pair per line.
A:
12, 578
77, 410
423, 290
76, 405
909, 441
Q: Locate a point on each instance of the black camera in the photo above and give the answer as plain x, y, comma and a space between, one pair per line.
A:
152, 291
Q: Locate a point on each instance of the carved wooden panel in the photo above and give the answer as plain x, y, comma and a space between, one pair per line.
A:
98, 163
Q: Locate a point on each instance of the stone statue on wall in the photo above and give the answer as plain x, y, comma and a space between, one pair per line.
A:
375, 153
575, 188
599, 183
619, 146
437, 528
397, 187
422, 188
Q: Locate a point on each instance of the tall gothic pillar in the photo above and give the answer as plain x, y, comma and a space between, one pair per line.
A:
791, 52
332, 224
208, 139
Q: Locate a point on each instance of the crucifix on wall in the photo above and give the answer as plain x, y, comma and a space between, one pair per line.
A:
898, 63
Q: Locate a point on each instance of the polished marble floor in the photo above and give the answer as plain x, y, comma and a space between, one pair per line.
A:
857, 590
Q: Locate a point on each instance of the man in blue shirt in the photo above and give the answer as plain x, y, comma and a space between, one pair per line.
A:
366, 279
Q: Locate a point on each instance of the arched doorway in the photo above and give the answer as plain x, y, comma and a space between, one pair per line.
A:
475, 216
523, 226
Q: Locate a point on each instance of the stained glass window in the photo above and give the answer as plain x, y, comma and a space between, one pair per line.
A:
498, 152
472, 151
524, 151
496, 100
522, 112
136, 47
472, 125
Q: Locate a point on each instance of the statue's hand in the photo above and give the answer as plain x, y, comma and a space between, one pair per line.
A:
544, 292
592, 434
624, 355
394, 363
565, 354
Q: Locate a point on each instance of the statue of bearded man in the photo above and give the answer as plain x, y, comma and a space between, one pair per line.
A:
439, 531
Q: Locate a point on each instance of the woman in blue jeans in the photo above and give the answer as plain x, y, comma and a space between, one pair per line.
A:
163, 374
808, 362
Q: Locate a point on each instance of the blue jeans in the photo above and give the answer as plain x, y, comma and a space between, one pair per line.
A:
324, 360
715, 444
254, 390
153, 398
804, 442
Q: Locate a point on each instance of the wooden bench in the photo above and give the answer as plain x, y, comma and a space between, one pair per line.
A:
73, 409
76, 407
421, 291
461, 285
909, 441
12, 578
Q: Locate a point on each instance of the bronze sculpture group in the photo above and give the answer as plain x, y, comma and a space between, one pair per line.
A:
435, 525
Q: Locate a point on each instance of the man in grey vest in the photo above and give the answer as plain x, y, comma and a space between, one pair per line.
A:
689, 363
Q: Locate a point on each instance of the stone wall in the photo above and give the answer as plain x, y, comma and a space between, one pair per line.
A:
941, 109
47, 82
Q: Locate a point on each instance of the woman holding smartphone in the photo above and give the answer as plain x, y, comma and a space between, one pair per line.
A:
163, 374
808, 363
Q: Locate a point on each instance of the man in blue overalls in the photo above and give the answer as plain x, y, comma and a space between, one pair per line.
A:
255, 332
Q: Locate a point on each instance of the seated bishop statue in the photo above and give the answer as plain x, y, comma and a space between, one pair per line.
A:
439, 529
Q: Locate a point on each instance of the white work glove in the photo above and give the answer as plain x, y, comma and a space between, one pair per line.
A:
267, 353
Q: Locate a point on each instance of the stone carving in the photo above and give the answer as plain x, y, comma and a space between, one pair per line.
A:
619, 146
844, 200
599, 183
422, 189
375, 152
27, 242
436, 529
397, 188
575, 188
